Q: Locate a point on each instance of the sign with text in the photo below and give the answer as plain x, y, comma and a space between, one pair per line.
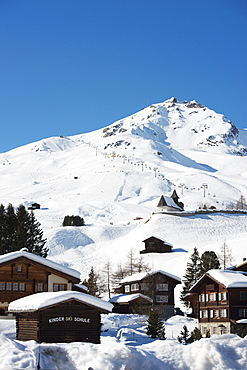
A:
68, 318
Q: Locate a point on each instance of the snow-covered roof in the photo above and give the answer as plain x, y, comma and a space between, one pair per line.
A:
241, 321
229, 278
166, 201
81, 286
156, 237
43, 261
141, 275
37, 301
125, 298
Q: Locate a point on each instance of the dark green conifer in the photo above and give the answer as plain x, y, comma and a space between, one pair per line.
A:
192, 274
156, 327
184, 338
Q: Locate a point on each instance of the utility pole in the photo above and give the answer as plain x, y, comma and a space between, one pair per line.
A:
205, 186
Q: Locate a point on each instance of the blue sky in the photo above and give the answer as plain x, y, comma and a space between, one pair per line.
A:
73, 66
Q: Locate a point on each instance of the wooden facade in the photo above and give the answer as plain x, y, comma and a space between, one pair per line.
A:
220, 308
140, 304
156, 245
68, 321
158, 285
23, 274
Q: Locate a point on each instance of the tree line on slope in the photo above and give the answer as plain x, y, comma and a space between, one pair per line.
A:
20, 229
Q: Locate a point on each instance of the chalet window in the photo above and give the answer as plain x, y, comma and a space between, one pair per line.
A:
203, 314
162, 298
224, 330
19, 268
162, 287
223, 313
15, 286
223, 296
40, 287
204, 330
2, 286
126, 288
59, 287
22, 287
212, 297
201, 298
243, 296
216, 313
144, 286
134, 287
8, 286
243, 312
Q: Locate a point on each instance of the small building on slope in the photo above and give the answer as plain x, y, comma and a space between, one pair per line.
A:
156, 245
52, 317
167, 204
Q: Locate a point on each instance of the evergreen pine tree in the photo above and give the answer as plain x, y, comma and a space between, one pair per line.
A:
184, 338
195, 335
192, 274
29, 234
3, 244
11, 228
22, 232
209, 260
156, 327
36, 243
93, 284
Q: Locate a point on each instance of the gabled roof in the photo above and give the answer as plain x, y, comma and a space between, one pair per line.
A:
125, 298
5, 258
168, 202
141, 275
227, 278
38, 301
155, 237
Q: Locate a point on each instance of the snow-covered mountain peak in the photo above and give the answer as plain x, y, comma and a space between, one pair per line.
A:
178, 125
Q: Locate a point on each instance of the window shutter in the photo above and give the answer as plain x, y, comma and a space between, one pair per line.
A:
211, 313
240, 313
206, 297
214, 297
200, 314
206, 313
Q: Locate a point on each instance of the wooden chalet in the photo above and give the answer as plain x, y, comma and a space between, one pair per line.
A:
219, 301
52, 317
34, 206
157, 285
131, 304
167, 204
156, 245
23, 273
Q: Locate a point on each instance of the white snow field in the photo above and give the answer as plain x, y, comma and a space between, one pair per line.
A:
114, 178
125, 346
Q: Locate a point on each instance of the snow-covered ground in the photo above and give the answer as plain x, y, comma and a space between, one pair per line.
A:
125, 346
114, 178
